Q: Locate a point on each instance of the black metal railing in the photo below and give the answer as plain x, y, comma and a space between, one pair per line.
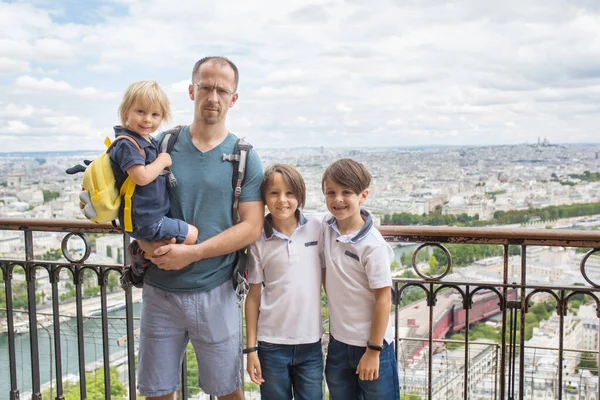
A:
513, 299
430, 365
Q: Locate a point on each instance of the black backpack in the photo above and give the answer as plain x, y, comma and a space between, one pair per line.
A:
239, 161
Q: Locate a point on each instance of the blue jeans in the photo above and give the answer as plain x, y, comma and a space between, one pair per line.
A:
342, 381
291, 369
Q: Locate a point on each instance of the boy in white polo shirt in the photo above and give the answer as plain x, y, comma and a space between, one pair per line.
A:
361, 363
283, 318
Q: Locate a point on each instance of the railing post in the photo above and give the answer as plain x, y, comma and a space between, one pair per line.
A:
54, 278
78, 281
503, 330
467, 307
431, 303
522, 319
31, 308
561, 307
184, 380
12, 360
129, 325
102, 282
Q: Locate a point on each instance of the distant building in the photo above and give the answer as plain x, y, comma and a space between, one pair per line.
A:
15, 180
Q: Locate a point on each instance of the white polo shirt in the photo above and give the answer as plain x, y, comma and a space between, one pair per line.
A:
290, 268
355, 264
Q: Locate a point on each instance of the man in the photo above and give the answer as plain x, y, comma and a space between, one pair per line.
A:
189, 294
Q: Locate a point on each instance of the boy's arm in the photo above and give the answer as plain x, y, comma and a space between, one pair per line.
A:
245, 232
368, 366
142, 175
252, 310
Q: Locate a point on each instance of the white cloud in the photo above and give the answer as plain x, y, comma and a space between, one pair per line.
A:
10, 66
54, 50
29, 84
105, 68
32, 85
22, 21
433, 71
342, 107
287, 75
286, 91
12, 111
13, 126
179, 87
395, 122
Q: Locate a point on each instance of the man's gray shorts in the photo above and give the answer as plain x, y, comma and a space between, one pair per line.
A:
210, 320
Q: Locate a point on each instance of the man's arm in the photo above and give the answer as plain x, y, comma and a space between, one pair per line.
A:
247, 231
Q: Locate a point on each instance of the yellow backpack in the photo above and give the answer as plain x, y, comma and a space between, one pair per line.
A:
100, 198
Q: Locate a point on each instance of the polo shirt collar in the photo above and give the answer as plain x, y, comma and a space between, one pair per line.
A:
362, 233
120, 131
269, 230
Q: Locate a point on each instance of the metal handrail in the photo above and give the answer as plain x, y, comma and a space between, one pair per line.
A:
511, 364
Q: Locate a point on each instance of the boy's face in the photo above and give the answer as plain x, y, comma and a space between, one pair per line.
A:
281, 201
143, 120
342, 202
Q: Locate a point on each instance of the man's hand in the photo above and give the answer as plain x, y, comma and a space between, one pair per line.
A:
368, 366
173, 257
253, 368
150, 247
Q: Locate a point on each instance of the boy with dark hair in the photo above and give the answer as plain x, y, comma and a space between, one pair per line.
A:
284, 354
361, 362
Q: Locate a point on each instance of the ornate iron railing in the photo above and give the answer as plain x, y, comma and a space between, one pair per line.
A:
428, 367
513, 298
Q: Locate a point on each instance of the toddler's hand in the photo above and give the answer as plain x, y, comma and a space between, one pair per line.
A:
165, 158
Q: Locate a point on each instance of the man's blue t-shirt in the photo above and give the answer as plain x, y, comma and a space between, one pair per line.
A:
203, 197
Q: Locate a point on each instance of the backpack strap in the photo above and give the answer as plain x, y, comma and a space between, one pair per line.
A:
239, 159
127, 189
165, 146
130, 140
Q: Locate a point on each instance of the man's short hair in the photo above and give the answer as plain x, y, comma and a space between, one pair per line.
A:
149, 94
348, 173
224, 61
292, 178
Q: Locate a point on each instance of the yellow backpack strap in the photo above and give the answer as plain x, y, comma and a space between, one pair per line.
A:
127, 190
128, 186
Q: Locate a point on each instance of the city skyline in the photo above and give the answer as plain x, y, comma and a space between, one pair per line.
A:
311, 73
432, 146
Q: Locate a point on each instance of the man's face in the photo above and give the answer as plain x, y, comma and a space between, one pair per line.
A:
213, 92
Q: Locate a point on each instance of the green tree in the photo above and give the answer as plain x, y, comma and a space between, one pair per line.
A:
410, 396
405, 259
52, 255
94, 386
91, 291
50, 195
113, 282
588, 361
192, 369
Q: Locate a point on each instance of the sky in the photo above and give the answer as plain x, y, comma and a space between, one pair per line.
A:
331, 73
